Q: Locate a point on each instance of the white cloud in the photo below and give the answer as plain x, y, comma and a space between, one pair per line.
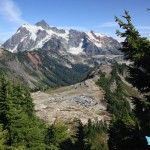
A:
107, 25
11, 12
13, 15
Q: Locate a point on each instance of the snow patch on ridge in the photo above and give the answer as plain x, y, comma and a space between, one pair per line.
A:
48, 37
76, 50
62, 35
98, 44
23, 39
100, 35
33, 33
95, 40
33, 30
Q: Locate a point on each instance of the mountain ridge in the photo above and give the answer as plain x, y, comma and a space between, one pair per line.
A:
43, 56
30, 37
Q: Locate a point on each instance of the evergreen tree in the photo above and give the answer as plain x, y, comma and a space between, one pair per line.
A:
137, 50
124, 134
4, 100
29, 106
80, 135
57, 134
24, 130
3, 135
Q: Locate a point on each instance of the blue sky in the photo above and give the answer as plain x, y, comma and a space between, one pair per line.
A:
83, 15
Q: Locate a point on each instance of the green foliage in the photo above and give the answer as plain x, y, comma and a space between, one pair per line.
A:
92, 136
117, 102
126, 132
137, 50
96, 135
18, 119
3, 135
80, 135
57, 134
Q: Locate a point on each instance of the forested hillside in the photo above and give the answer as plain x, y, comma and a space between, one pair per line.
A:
41, 69
124, 130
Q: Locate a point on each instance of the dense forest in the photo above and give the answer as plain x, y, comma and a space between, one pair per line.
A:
21, 129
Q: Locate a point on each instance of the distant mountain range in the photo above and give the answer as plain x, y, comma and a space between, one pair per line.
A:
43, 56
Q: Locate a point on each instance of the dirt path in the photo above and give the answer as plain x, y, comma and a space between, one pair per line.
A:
83, 100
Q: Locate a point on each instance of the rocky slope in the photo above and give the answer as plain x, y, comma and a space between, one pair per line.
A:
83, 101
40, 69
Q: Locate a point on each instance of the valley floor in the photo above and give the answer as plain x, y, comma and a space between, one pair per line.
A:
83, 101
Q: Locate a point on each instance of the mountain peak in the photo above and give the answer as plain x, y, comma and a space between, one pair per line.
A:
92, 31
42, 36
43, 24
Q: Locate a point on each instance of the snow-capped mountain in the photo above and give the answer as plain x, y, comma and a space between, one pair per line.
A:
43, 56
42, 36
